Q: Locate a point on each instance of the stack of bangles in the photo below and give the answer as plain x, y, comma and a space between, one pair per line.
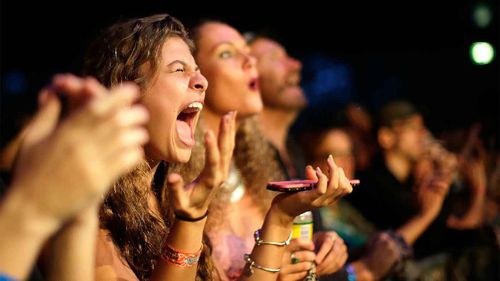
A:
250, 263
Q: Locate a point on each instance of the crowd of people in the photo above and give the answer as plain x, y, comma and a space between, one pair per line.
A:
152, 164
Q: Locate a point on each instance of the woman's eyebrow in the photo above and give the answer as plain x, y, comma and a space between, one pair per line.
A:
184, 64
222, 43
178, 61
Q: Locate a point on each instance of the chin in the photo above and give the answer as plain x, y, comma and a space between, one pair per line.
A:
258, 108
249, 112
255, 106
183, 156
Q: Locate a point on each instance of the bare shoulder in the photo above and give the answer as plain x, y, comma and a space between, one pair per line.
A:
110, 264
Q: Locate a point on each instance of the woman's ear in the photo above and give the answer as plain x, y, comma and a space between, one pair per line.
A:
386, 138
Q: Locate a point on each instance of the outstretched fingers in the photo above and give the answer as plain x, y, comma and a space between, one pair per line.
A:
333, 181
331, 186
226, 141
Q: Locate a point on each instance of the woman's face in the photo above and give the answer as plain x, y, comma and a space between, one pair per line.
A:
174, 98
224, 58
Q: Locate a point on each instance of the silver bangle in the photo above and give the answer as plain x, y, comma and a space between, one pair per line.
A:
250, 264
258, 241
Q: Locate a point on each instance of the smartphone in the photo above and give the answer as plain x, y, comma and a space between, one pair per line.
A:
291, 186
297, 185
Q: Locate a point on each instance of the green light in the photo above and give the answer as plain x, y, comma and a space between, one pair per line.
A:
482, 53
482, 15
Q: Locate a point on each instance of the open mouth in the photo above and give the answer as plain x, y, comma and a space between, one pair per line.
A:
185, 123
254, 84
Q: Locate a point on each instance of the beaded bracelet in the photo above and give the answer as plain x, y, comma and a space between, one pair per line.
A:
351, 273
179, 258
405, 253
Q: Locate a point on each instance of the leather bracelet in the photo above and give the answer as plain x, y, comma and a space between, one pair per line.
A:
185, 218
259, 241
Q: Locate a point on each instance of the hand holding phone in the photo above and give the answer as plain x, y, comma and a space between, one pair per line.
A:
297, 185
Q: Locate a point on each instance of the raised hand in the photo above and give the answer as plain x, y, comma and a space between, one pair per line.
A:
332, 252
380, 245
79, 157
474, 172
194, 199
297, 260
431, 193
330, 187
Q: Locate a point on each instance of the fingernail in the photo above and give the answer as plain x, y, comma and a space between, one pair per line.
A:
330, 158
43, 97
318, 170
354, 182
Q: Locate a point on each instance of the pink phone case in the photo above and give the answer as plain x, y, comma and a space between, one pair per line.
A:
291, 186
297, 185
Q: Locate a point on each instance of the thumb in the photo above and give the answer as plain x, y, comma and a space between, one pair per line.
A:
325, 247
175, 183
311, 173
45, 119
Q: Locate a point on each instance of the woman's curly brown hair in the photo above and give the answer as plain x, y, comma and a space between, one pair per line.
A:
130, 51
122, 50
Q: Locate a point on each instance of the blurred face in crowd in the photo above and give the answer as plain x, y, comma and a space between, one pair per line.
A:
174, 98
279, 76
225, 60
409, 137
337, 143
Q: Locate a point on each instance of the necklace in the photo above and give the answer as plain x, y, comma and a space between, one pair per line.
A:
234, 185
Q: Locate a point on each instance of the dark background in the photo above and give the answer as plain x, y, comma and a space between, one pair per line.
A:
414, 50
